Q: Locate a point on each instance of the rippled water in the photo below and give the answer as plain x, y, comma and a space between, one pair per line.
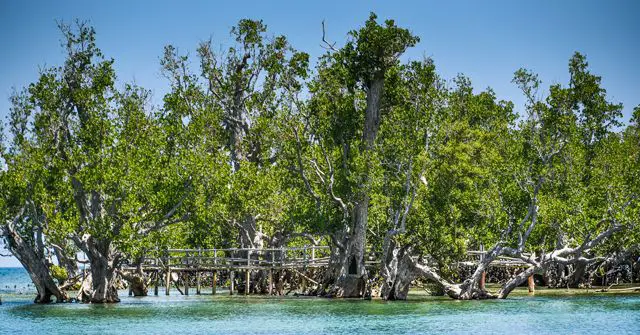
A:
222, 314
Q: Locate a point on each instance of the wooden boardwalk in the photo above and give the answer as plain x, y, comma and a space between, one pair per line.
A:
190, 266
241, 259
271, 258
475, 256
187, 265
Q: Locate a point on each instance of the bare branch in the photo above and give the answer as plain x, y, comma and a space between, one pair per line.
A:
345, 210
325, 44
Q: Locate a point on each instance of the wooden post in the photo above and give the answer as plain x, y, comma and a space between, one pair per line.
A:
247, 275
155, 286
231, 279
270, 281
246, 282
304, 256
483, 277
531, 284
198, 272
214, 282
168, 281
185, 274
283, 255
185, 277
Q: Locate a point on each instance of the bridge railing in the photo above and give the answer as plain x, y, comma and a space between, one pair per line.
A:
290, 257
475, 256
293, 257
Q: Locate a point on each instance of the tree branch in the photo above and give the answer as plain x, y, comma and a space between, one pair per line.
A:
325, 44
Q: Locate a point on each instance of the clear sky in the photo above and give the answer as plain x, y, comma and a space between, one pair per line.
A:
485, 40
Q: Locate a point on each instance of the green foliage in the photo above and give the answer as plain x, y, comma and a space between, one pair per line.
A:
255, 134
58, 273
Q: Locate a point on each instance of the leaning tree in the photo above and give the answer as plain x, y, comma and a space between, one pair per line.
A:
105, 147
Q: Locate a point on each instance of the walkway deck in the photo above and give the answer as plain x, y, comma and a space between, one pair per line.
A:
239, 259
475, 256
183, 265
269, 258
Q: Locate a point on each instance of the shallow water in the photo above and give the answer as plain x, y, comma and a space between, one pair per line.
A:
222, 314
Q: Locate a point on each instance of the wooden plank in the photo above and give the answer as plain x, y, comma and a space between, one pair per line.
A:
185, 277
247, 274
198, 272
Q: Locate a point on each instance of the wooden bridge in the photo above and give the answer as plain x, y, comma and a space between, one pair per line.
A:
175, 263
169, 265
476, 256
272, 258
238, 259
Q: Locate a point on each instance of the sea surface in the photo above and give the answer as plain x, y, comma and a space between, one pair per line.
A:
222, 314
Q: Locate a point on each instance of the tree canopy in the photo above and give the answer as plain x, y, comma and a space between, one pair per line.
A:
367, 153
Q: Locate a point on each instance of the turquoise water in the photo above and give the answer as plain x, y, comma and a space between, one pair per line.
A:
15, 281
222, 314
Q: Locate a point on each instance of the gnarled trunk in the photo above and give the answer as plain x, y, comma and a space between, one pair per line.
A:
138, 282
103, 263
400, 267
250, 235
346, 276
579, 276
517, 280
397, 271
103, 277
32, 259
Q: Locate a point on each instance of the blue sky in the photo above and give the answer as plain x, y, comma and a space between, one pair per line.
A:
485, 40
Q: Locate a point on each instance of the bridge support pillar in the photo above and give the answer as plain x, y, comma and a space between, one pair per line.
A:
185, 277
483, 278
232, 278
167, 281
247, 277
531, 284
270, 281
155, 281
